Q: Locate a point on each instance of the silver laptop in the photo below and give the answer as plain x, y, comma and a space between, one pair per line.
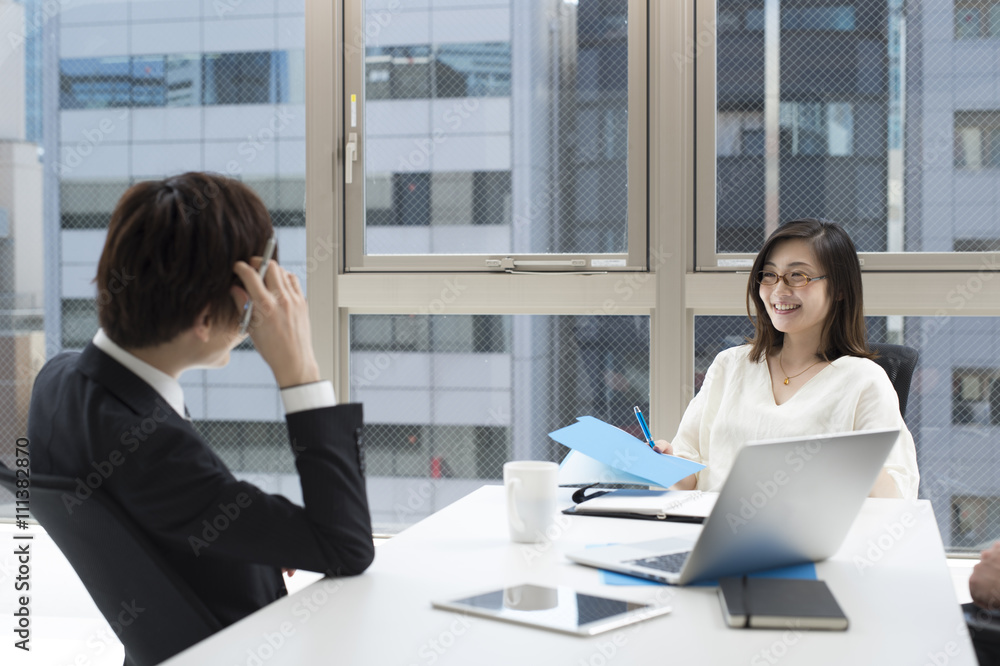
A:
786, 501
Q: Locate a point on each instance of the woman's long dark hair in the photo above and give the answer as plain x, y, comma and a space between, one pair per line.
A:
844, 329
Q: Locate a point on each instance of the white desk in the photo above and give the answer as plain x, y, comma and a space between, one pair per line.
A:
902, 607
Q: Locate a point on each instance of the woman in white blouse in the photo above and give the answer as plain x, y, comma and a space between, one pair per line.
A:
806, 371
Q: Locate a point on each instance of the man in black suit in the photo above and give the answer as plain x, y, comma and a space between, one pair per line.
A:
180, 259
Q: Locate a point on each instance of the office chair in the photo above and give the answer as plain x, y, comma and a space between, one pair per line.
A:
898, 362
151, 609
984, 629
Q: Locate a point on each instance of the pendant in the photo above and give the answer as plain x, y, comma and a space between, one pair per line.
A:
786, 381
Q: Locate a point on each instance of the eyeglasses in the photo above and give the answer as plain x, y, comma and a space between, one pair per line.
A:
793, 280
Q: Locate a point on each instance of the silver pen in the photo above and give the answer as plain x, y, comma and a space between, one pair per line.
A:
248, 306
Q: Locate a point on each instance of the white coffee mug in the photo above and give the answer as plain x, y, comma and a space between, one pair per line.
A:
531, 498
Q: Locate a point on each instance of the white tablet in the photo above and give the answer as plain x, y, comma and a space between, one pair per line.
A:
555, 608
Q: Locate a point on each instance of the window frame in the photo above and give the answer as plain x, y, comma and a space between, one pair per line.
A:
356, 260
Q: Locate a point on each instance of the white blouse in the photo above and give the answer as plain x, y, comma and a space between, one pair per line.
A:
736, 405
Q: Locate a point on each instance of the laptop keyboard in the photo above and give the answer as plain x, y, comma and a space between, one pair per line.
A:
672, 562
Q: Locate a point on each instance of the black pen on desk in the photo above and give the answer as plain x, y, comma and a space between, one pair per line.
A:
248, 306
645, 428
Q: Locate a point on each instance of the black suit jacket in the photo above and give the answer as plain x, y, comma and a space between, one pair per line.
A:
94, 420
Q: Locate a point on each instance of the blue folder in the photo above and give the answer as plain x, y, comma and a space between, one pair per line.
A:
621, 451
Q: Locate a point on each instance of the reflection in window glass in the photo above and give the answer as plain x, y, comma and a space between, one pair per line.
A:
975, 396
472, 70
238, 78
977, 139
839, 19
183, 74
977, 19
259, 77
441, 409
438, 199
95, 83
79, 322
439, 71
148, 82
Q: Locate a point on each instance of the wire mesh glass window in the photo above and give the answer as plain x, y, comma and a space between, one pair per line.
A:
441, 410
880, 118
977, 140
953, 412
251, 77
977, 19
828, 127
518, 143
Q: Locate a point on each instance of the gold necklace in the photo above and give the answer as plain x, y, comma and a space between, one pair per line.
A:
787, 376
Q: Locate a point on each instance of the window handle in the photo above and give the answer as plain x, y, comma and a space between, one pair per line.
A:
350, 157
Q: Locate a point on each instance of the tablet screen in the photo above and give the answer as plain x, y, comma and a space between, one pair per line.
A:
557, 608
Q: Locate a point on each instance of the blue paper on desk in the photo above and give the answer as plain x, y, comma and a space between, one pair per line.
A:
805, 571
615, 447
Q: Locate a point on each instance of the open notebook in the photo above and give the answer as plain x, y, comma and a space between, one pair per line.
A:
673, 505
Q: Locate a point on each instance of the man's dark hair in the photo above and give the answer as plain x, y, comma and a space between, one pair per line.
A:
170, 252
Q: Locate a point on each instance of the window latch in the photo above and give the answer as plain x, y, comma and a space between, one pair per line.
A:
350, 157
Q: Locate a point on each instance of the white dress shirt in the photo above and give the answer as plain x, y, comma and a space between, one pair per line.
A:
736, 405
295, 398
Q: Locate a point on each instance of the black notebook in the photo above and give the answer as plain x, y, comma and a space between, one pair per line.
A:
780, 603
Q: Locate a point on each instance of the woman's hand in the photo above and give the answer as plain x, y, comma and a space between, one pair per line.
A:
663, 446
688, 482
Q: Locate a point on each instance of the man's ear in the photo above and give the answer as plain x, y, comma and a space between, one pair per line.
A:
201, 324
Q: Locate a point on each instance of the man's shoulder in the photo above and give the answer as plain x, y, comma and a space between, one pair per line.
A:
58, 365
